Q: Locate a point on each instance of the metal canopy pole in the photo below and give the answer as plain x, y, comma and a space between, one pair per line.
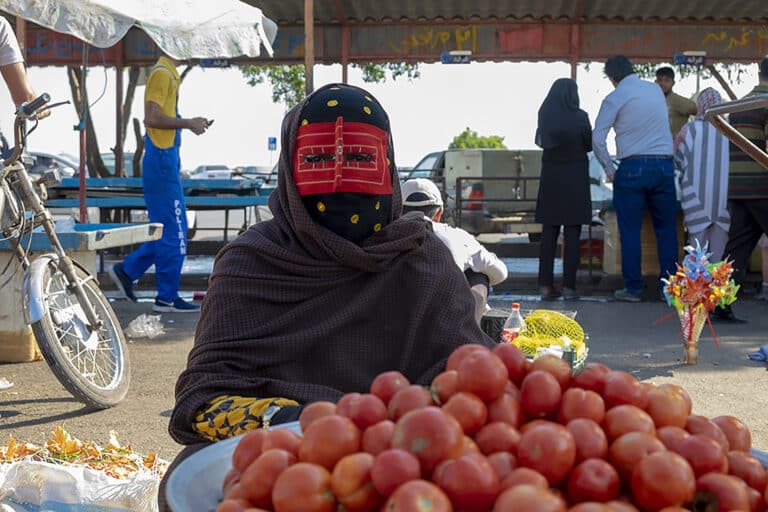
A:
81, 127
309, 45
119, 171
715, 116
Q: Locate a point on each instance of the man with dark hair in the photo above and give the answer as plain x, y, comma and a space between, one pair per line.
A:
645, 178
747, 188
481, 267
678, 107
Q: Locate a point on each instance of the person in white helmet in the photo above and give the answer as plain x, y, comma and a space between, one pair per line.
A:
482, 268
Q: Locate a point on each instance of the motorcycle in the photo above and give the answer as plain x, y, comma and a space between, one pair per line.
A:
76, 329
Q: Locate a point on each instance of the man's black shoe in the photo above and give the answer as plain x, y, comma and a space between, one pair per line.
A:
725, 315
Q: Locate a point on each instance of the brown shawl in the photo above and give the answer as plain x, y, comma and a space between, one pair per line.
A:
295, 311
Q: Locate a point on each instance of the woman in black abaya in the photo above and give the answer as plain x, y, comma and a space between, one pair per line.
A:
565, 135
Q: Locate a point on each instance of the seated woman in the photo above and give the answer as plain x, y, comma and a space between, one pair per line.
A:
332, 291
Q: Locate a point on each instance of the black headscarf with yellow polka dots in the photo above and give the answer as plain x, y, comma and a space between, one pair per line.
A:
351, 215
297, 311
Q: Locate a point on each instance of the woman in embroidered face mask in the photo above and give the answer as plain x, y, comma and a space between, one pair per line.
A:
332, 291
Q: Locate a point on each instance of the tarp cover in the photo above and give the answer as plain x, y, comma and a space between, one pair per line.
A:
183, 29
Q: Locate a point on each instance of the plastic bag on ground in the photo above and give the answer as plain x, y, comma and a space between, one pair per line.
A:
145, 326
29, 485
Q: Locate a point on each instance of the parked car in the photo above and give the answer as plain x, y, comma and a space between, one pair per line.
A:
213, 172
109, 162
38, 162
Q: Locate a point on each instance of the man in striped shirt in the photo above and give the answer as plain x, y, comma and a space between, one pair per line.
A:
747, 188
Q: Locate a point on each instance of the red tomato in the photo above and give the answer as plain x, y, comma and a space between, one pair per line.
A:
528, 498
458, 355
418, 496
391, 468
259, 478
482, 374
408, 399
502, 463
303, 487
540, 395
351, 483
756, 503
497, 437
364, 410
667, 407
248, 449
748, 468
627, 451
671, 436
469, 481
535, 423
581, 403
662, 479
589, 438
233, 505
592, 377
627, 418
342, 406
469, 446
559, 369
721, 492
378, 437
738, 435
231, 478
328, 439
548, 449
313, 411
515, 361
524, 476
682, 392
622, 388
593, 480
431, 435
468, 410
703, 454
282, 439
444, 385
506, 408
706, 427
621, 506
386, 384
590, 506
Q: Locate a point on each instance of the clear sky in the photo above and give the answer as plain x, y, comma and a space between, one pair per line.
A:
490, 98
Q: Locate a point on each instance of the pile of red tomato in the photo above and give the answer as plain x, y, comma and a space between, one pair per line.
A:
495, 432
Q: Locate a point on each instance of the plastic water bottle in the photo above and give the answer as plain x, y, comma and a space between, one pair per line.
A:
513, 325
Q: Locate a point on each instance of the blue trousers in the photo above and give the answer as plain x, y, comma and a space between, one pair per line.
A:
164, 196
640, 183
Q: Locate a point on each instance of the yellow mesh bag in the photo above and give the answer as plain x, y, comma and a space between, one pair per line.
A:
544, 328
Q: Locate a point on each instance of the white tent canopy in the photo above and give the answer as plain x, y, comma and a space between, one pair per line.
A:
183, 29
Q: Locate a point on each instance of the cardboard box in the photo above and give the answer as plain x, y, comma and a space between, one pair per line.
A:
650, 261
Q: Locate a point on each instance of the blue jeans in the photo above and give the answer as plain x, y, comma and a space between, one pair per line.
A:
164, 196
640, 183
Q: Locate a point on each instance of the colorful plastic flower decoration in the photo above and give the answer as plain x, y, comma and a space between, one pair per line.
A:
699, 283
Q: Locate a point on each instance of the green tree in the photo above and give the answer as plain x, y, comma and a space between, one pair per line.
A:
470, 139
288, 85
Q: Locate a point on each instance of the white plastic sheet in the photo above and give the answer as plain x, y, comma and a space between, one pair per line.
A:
32, 486
184, 29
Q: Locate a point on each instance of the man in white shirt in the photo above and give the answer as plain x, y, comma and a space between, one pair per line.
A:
637, 112
12, 67
481, 267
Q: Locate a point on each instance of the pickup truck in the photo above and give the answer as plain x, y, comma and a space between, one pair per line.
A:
503, 196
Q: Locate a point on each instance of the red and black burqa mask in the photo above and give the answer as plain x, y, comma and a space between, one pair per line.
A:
341, 163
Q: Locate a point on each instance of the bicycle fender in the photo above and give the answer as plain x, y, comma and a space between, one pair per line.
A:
35, 306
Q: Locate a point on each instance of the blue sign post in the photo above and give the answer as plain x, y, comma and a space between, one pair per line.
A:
271, 146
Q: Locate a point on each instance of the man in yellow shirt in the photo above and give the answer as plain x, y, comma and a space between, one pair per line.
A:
679, 107
163, 192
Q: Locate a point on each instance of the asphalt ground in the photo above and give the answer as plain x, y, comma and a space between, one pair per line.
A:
621, 335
